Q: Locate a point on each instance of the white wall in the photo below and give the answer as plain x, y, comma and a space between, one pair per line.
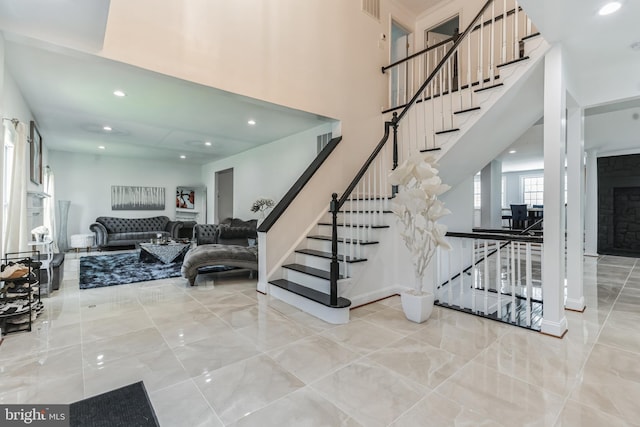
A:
86, 181
321, 56
266, 171
459, 200
514, 188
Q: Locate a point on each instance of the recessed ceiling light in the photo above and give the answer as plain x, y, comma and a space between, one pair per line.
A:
207, 143
512, 151
609, 8
182, 156
251, 122
101, 147
107, 128
119, 93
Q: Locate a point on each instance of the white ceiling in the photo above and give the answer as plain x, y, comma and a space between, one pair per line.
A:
70, 93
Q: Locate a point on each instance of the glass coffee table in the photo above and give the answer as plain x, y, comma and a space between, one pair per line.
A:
165, 253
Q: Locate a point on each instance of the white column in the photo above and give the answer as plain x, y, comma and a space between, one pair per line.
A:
591, 206
491, 193
263, 284
554, 322
575, 209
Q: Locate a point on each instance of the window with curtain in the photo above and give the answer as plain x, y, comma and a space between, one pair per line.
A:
7, 168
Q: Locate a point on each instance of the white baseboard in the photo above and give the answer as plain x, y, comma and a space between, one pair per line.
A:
556, 329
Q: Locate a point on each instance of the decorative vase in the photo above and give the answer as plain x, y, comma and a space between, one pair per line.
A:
62, 217
416, 303
417, 307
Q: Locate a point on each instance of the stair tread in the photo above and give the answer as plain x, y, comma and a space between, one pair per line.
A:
489, 87
353, 211
322, 254
466, 110
312, 294
447, 131
342, 240
371, 198
524, 58
356, 225
530, 36
323, 274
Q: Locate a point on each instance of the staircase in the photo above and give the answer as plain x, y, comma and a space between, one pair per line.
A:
345, 258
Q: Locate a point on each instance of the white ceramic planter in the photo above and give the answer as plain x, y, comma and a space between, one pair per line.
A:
417, 308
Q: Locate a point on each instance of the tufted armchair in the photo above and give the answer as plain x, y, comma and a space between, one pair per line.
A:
112, 231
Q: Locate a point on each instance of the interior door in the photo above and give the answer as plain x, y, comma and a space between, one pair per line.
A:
224, 195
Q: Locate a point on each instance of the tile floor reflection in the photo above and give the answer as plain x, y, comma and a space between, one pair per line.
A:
220, 354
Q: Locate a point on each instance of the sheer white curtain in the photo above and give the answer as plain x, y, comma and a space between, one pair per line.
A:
16, 234
49, 207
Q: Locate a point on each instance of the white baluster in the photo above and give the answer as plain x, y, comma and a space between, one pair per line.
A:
516, 37
473, 275
450, 275
469, 89
492, 46
528, 279
513, 283
462, 245
503, 56
481, 52
499, 280
485, 279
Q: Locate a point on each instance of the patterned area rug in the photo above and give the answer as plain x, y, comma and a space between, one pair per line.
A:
121, 269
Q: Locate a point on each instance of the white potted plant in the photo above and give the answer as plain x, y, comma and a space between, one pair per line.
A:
418, 209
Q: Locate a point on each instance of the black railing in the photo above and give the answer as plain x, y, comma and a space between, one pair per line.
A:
293, 192
336, 203
507, 236
425, 50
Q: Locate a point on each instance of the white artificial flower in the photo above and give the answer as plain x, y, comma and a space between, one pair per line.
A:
418, 208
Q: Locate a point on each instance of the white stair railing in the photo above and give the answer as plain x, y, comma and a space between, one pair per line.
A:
472, 64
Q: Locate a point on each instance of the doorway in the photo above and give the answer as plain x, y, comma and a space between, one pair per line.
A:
224, 195
432, 37
399, 50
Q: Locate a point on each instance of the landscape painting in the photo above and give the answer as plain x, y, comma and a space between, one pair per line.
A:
127, 198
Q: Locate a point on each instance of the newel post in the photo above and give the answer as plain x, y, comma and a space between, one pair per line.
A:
394, 123
334, 268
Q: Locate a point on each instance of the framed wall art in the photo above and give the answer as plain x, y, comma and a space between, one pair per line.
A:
128, 198
185, 198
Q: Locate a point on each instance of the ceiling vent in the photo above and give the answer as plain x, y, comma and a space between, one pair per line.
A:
371, 8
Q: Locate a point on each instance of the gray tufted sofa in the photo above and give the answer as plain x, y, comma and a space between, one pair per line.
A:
115, 232
225, 244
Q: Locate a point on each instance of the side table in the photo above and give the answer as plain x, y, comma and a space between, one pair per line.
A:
47, 251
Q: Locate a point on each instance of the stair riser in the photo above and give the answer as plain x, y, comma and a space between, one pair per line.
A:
325, 246
361, 233
360, 218
307, 280
365, 205
318, 262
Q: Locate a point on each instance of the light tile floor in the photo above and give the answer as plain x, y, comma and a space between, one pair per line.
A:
221, 354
